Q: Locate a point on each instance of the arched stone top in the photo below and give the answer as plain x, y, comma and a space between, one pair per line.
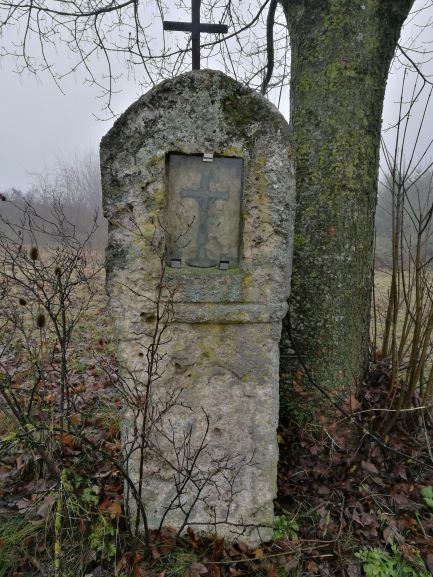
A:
202, 112
185, 111
198, 190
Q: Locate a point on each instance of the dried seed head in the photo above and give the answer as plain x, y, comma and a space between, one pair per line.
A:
2, 197
22, 302
57, 271
34, 253
41, 320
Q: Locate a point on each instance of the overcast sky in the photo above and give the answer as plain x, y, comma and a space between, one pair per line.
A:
39, 124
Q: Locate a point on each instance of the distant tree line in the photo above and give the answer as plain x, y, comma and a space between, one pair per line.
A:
75, 185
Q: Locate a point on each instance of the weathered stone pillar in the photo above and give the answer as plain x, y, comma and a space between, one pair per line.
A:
199, 194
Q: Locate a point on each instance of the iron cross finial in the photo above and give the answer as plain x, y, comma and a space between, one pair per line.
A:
196, 28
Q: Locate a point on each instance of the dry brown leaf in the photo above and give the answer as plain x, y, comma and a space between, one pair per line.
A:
80, 388
258, 553
46, 505
137, 570
155, 553
392, 533
370, 467
75, 419
353, 570
23, 505
196, 569
401, 501
68, 440
120, 565
5, 471
116, 446
115, 509
289, 563
215, 571
312, 566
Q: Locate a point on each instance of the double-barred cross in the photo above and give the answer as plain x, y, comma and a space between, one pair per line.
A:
196, 28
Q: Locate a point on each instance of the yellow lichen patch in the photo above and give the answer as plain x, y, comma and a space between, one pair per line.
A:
232, 151
261, 189
155, 161
147, 230
160, 196
247, 281
211, 343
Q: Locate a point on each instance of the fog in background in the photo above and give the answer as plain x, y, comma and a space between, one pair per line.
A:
43, 128
39, 123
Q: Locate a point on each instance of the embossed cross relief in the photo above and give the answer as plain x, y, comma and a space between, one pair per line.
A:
204, 197
203, 216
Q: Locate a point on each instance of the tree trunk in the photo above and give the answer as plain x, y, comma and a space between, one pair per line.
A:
341, 52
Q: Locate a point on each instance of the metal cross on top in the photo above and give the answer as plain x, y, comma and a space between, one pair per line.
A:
196, 28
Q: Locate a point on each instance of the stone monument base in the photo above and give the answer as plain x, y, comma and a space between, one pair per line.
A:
198, 191
214, 453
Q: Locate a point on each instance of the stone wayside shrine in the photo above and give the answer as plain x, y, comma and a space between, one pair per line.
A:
198, 189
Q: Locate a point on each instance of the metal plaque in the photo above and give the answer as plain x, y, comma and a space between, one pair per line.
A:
203, 214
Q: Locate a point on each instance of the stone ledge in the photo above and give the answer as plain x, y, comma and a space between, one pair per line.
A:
229, 313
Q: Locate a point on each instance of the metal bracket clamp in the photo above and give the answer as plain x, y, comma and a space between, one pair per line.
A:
208, 157
176, 262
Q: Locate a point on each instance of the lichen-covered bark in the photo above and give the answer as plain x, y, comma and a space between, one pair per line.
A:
341, 52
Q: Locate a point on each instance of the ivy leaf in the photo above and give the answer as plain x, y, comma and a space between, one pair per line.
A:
427, 494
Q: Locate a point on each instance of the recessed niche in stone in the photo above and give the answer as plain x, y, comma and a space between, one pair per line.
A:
203, 214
